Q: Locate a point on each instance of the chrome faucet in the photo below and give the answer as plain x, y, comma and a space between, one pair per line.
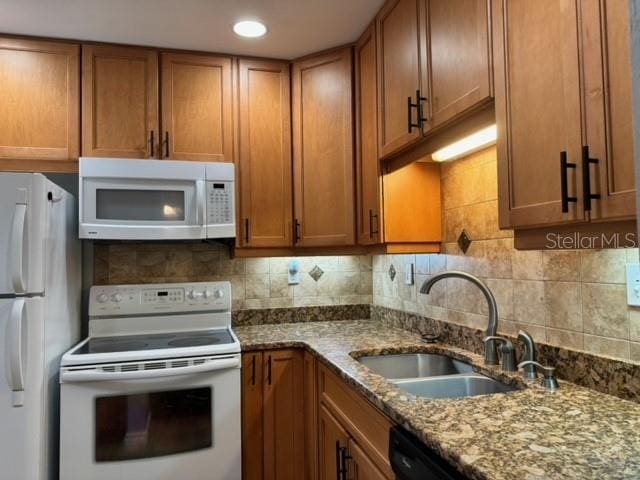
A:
490, 352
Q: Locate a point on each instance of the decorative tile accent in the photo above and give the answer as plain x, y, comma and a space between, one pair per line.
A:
464, 241
392, 272
316, 272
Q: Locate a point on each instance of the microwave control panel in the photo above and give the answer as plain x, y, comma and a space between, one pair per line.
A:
220, 203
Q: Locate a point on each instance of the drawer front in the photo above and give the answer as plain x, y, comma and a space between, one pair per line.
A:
364, 422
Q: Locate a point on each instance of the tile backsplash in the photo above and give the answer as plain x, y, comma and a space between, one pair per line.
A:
573, 299
256, 282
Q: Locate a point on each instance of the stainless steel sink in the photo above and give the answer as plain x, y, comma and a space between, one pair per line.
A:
414, 365
457, 386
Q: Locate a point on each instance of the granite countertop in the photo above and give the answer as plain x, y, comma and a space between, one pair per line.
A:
530, 434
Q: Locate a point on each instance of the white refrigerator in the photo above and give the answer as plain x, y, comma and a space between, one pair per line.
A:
39, 318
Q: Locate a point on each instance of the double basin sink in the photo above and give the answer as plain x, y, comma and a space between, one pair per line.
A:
433, 375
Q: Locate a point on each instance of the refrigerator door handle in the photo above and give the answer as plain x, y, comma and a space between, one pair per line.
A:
14, 351
17, 247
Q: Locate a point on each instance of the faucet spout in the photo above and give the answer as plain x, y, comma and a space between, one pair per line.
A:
491, 352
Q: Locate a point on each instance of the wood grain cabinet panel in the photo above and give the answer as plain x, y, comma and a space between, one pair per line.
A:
538, 109
39, 105
368, 186
120, 116
360, 466
273, 420
197, 104
264, 126
399, 74
323, 150
608, 107
459, 50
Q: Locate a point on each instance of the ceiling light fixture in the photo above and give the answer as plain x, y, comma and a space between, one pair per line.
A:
249, 29
474, 142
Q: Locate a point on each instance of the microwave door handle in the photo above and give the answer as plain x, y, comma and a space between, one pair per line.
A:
17, 247
98, 376
14, 351
201, 201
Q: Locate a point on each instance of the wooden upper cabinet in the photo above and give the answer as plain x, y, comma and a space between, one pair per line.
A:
368, 184
120, 115
264, 125
197, 104
323, 150
284, 452
460, 57
538, 110
39, 105
399, 74
608, 105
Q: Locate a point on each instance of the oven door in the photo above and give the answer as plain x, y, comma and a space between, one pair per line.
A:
157, 420
142, 209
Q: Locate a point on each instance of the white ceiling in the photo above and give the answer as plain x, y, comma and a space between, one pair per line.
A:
296, 27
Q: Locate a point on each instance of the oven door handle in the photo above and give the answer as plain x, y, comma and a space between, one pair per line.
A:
101, 375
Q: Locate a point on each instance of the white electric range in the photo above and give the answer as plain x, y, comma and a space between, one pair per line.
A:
154, 392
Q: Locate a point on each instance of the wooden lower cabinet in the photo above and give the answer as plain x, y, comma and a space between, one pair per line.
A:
300, 421
273, 415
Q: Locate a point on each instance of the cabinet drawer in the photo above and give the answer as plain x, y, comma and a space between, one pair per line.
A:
364, 422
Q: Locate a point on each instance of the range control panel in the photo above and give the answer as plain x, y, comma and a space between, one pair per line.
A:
110, 300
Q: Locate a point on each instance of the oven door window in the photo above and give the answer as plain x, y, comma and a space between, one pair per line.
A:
152, 424
140, 205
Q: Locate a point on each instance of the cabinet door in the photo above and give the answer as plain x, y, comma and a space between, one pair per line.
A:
120, 102
608, 104
311, 416
332, 437
459, 55
399, 74
361, 467
367, 163
39, 105
265, 153
252, 416
323, 150
538, 110
197, 107
283, 415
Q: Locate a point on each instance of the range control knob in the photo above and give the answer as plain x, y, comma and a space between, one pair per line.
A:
207, 294
193, 295
218, 293
116, 297
102, 298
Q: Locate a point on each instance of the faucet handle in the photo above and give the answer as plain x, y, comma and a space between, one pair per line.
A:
507, 350
549, 380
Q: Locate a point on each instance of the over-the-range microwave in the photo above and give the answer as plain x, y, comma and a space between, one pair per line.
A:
125, 199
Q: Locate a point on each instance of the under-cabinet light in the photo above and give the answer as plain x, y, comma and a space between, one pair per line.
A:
474, 142
250, 29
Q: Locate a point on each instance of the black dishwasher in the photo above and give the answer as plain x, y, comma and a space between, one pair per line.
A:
413, 460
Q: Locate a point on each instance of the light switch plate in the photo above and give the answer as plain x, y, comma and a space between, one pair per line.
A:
633, 284
293, 268
408, 274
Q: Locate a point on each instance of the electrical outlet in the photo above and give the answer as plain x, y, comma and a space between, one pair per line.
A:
408, 274
293, 269
633, 284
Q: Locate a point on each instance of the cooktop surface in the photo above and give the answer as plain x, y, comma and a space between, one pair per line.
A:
159, 341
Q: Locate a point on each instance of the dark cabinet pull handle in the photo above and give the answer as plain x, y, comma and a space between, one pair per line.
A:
410, 124
419, 101
564, 166
166, 144
246, 230
372, 232
253, 369
342, 456
377, 224
151, 142
296, 231
269, 370
586, 178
